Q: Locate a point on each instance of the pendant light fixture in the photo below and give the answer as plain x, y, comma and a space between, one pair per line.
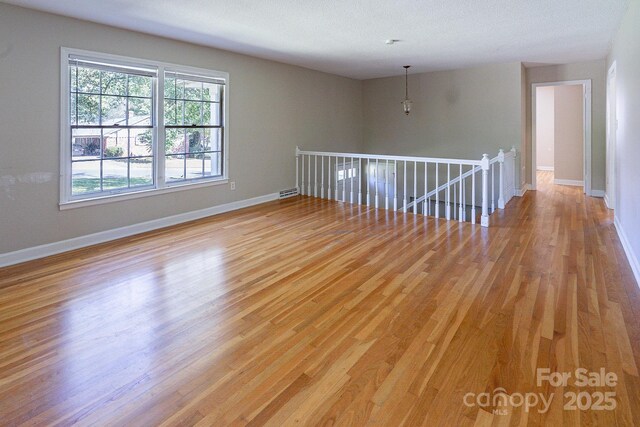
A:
406, 104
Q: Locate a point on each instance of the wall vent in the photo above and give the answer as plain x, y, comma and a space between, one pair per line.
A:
288, 193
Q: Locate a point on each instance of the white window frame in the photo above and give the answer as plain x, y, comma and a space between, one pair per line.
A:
67, 200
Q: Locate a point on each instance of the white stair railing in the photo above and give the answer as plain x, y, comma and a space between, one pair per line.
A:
430, 186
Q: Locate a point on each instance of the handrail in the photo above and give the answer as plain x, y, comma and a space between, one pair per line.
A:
389, 157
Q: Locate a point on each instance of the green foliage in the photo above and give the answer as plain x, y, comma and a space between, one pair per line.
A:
113, 152
146, 138
100, 97
105, 98
92, 148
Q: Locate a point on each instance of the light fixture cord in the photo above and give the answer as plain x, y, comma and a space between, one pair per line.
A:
406, 83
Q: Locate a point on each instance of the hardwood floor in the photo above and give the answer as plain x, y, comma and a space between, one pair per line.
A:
308, 311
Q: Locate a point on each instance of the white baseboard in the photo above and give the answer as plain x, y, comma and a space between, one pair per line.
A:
628, 250
545, 168
597, 193
569, 182
520, 191
607, 202
49, 249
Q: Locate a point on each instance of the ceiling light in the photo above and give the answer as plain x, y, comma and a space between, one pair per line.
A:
406, 104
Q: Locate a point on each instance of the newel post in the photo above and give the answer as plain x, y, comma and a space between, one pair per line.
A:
484, 219
297, 170
501, 173
512, 163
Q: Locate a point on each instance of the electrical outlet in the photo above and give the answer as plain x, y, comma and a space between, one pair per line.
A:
233, 185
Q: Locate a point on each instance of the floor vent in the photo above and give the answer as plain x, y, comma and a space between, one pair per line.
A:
288, 193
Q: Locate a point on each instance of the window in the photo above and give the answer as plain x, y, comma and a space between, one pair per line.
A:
345, 171
109, 107
120, 137
193, 127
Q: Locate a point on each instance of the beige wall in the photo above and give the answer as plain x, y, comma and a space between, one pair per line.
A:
626, 54
459, 113
568, 133
596, 72
273, 108
544, 127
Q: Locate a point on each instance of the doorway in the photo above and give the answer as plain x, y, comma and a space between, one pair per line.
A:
612, 127
561, 130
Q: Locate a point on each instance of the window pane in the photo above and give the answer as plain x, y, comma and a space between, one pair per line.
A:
192, 111
116, 143
211, 114
206, 139
141, 170
169, 113
193, 90
88, 109
212, 139
174, 168
114, 110
194, 138
140, 86
72, 78
139, 112
211, 92
175, 142
88, 80
172, 113
169, 86
179, 89
206, 113
141, 142
114, 83
85, 144
114, 174
212, 164
194, 166
72, 109
85, 177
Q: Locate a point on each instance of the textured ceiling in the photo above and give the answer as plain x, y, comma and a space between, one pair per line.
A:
347, 37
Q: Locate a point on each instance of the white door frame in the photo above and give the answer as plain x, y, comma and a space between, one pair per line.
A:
612, 127
586, 111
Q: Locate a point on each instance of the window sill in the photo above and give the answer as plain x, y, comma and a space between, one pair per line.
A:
99, 200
